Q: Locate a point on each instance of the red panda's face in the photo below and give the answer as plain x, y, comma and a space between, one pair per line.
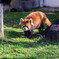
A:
26, 24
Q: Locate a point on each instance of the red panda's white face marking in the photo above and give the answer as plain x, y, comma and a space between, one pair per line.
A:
26, 24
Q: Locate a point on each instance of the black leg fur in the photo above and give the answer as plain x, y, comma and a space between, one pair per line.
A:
28, 33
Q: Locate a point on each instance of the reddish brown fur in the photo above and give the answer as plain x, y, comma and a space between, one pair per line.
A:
38, 17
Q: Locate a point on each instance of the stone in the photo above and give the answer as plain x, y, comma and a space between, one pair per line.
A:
52, 32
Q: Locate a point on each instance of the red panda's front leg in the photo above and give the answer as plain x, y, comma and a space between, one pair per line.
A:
28, 33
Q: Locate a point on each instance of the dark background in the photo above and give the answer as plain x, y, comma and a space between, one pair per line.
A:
5, 1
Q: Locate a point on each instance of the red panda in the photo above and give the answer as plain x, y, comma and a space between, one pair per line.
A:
33, 21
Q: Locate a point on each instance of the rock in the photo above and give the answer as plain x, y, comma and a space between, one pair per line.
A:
24, 4
52, 32
21, 5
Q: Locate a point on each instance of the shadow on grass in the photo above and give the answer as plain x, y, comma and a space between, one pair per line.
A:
42, 42
14, 34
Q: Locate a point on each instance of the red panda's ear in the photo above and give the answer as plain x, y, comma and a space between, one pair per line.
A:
31, 21
21, 20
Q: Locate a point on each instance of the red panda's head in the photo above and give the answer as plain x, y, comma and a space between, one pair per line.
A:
26, 24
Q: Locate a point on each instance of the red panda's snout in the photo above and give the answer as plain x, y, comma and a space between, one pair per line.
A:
25, 28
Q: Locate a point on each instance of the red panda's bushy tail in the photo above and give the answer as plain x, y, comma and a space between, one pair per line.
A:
47, 21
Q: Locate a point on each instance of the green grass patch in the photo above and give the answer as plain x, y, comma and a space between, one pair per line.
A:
16, 45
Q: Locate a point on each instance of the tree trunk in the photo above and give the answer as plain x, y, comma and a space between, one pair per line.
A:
1, 21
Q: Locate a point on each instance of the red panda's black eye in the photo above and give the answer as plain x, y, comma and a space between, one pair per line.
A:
23, 26
27, 21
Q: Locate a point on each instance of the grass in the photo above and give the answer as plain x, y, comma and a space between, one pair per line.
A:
16, 45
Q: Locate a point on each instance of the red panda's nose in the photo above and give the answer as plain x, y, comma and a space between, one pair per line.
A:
25, 28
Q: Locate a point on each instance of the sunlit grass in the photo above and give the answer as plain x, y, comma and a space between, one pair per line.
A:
16, 45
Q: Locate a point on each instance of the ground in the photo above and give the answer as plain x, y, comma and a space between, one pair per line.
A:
16, 45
